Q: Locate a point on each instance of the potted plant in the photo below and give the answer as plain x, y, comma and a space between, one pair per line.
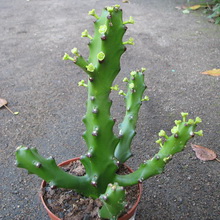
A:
105, 150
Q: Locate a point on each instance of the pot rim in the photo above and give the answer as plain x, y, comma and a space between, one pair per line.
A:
126, 216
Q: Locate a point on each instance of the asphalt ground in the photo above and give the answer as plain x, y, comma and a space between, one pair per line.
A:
174, 47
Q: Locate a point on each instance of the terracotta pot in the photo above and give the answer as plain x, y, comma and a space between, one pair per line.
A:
130, 215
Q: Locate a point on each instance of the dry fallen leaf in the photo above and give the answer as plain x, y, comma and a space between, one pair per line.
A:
3, 103
178, 7
214, 72
195, 7
181, 7
204, 153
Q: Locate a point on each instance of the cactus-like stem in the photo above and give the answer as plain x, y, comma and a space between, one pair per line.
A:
47, 169
133, 100
106, 151
78, 60
105, 61
113, 202
172, 145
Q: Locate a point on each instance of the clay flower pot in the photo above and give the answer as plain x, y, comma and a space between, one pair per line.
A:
130, 215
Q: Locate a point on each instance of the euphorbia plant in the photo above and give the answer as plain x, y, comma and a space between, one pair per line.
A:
105, 150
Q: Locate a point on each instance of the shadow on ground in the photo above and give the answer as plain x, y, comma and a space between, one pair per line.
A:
173, 46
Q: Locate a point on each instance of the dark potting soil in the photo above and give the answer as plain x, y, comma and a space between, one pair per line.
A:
69, 205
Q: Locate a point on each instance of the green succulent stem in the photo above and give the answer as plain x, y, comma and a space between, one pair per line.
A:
173, 144
106, 151
113, 202
47, 169
133, 103
82, 63
99, 136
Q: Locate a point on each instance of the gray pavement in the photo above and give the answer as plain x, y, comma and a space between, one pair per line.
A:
174, 47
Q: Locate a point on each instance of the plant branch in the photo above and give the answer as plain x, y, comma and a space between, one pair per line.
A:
133, 101
47, 169
172, 145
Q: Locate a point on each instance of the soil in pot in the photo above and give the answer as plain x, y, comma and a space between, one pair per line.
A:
69, 205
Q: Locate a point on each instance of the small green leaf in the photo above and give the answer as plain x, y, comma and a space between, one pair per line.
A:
186, 11
110, 9
146, 98
143, 69
131, 85
125, 79
101, 56
116, 88
174, 130
217, 20
92, 12
190, 122
130, 21
86, 34
75, 51
177, 122
102, 29
121, 92
160, 142
82, 83
162, 133
90, 67
167, 159
198, 120
184, 115
199, 133
68, 57
133, 73
117, 6
130, 41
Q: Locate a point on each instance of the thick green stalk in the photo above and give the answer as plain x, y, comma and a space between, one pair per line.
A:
113, 202
172, 145
47, 169
133, 100
106, 48
105, 150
